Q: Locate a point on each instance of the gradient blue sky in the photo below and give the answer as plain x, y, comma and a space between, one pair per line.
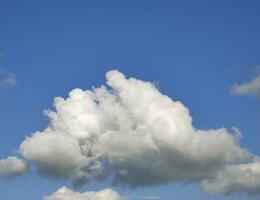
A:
193, 50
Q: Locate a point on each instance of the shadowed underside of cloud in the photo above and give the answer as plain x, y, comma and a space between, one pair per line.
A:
148, 197
132, 132
12, 166
242, 177
251, 88
67, 194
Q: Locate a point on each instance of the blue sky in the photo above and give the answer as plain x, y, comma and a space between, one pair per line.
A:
194, 51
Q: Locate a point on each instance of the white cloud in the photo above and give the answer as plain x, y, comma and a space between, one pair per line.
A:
67, 194
12, 166
252, 88
132, 132
242, 177
7, 78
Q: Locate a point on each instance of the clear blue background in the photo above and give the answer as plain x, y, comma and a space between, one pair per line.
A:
193, 50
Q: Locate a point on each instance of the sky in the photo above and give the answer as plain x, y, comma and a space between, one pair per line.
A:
200, 53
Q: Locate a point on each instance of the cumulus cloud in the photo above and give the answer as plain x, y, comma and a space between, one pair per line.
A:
251, 88
67, 194
12, 166
128, 130
7, 78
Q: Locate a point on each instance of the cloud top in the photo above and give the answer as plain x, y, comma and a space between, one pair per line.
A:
67, 194
128, 130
